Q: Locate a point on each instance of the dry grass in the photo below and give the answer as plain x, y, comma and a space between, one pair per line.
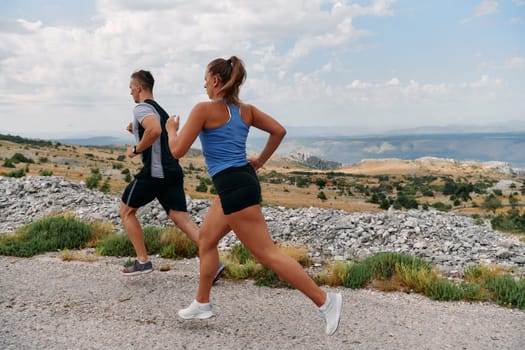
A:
297, 252
482, 272
100, 229
334, 274
173, 235
77, 255
74, 163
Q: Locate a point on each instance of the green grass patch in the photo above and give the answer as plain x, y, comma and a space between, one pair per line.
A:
241, 263
357, 275
386, 271
441, 289
167, 242
268, 278
507, 291
383, 265
48, 234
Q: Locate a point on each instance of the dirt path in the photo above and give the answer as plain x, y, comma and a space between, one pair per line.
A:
46, 303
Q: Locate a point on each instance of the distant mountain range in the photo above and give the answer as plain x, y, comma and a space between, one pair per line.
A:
339, 145
480, 147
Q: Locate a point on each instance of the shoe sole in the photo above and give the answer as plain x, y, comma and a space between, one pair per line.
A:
197, 317
339, 308
136, 273
219, 273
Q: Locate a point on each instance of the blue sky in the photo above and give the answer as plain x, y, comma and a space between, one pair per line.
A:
361, 66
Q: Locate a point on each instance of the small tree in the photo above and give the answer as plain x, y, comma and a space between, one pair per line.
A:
320, 182
322, 196
491, 202
93, 180
513, 201
202, 187
106, 187
8, 163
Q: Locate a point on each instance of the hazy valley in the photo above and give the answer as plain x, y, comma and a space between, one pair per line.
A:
295, 181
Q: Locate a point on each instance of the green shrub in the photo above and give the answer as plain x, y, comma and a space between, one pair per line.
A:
115, 245
105, 187
474, 292
158, 240
268, 278
20, 158
413, 277
240, 254
201, 188
48, 234
172, 251
8, 163
507, 291
383, 265
43, 172
242, 271
357, 275
93, 180
512, 221
443, 290
175, 245
16, 173
441, 206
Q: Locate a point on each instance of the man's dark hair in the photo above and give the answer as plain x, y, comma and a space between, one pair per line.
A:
145, 79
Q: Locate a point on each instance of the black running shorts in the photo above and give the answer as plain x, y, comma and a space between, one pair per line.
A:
238, 188
169, 191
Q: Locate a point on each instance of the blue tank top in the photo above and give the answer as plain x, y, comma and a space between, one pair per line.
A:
225, 147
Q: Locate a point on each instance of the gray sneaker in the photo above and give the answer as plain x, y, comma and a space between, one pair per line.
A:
220, 271
137, 268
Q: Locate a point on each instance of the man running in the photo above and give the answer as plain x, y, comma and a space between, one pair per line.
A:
161, 176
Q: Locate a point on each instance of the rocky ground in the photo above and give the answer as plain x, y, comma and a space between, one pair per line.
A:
451, 242
47, 303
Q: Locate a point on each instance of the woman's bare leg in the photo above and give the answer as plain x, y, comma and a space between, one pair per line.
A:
211, 231
249, 225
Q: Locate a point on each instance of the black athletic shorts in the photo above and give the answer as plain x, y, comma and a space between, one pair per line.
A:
169, 191
238, 188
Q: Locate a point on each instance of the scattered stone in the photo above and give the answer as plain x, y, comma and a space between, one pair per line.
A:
450, 241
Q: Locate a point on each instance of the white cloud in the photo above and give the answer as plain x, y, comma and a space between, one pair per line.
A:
519, 2
292, 49
515, 62
486, 7
393, 82
483, 82
380, 149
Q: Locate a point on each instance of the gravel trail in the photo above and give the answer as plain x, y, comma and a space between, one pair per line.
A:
46, 303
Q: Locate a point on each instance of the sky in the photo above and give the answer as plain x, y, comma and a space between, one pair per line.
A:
360, 66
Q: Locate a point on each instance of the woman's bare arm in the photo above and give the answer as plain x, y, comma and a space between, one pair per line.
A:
181, 142
265, 122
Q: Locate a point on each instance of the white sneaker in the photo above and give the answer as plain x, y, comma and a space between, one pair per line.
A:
196, 311
332, 313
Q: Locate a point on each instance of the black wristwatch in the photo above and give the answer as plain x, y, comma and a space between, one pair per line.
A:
134, 150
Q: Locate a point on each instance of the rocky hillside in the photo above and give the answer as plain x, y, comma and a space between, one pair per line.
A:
450, 241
